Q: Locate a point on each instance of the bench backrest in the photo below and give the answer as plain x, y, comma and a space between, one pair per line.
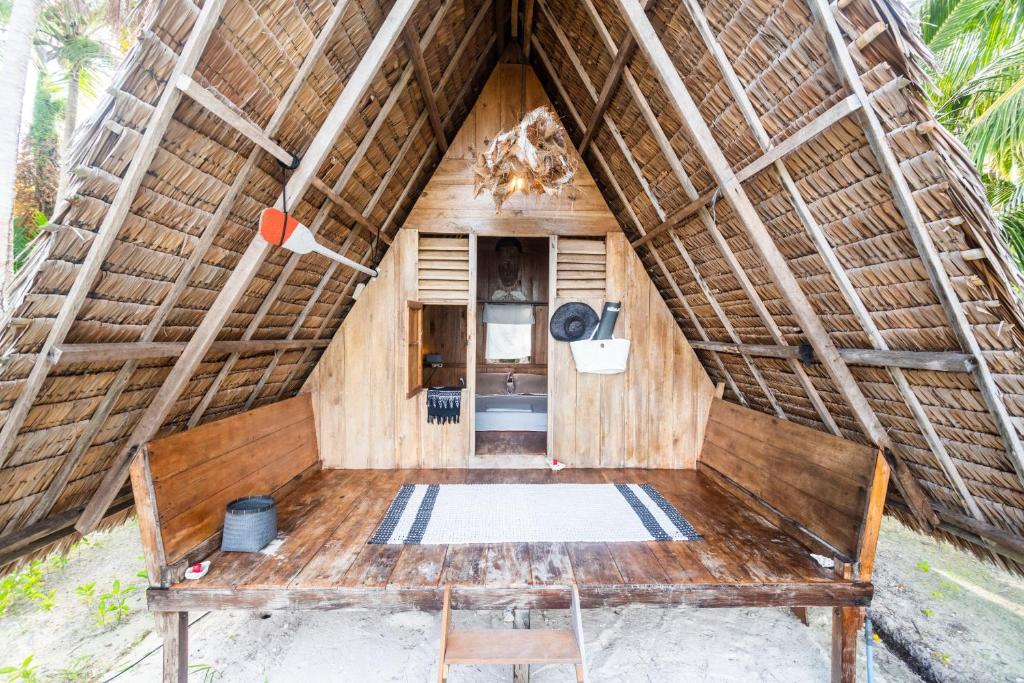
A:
183, 482
822, 482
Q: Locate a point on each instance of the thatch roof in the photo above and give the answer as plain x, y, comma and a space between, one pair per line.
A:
161, 270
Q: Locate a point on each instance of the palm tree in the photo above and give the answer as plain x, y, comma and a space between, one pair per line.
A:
978, 94
14, 64
71, 34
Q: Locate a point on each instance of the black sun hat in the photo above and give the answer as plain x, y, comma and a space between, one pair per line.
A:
573, 321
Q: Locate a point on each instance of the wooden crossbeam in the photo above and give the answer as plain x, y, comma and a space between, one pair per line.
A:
918, 229
936, 361
209, 233
225, 113
723, 246
638, 226
622, 56
831, 260
733, 192
343, 204
114, 218
66, 354
236, 285
412, 41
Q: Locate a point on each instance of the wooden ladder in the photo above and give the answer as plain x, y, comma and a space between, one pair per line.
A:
504, 646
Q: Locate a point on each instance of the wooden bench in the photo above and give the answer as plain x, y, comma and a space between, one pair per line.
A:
829, 492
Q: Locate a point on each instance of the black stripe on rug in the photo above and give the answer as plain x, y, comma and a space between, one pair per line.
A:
655, 530
670, 511
419, 525
390, 521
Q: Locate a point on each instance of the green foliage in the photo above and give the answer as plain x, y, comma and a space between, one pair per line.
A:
114, 603
86, 593
928, 612
923, 566
23, 673
82, 669
27, 586
942, 657
207, 672
977, 91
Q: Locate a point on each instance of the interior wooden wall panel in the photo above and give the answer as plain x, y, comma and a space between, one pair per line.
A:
364, 417
654, 414
197, 472
818, 480
447, 204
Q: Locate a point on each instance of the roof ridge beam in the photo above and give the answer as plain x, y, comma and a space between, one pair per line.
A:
223, 212
828, 255
733, 192
105, 235
319, 149
905, 204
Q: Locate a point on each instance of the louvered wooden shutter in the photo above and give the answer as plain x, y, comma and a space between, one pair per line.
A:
444, 270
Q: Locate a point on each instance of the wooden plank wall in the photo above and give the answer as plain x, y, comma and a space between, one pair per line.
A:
197, 472
816, 479
447, 204
653, 415
364, 417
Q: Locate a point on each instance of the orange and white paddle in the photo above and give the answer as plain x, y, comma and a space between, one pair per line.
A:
284, 231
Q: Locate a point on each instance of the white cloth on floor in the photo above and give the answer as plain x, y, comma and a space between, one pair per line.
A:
509, 331
509, 342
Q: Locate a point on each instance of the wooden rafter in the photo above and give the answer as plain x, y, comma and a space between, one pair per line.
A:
933, 361
117, 386
762, 310
773, 156
412, 41
918, 229
567, 102
733, 192
611, 84
319, 149
385, 181
527, 27
103, 240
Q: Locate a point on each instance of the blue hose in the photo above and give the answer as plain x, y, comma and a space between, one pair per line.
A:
868, 643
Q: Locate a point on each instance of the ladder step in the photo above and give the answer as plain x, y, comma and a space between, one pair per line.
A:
553, 646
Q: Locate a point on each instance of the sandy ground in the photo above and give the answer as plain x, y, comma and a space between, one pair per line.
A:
973, 632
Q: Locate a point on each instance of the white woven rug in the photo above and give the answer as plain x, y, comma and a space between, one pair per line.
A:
530, 513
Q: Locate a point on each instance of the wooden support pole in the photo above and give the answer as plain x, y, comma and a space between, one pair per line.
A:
115, 216
213, 104
412, 41
733, 192
117, 386
173, 626
845, 627
320, 147
521, 621
904, 201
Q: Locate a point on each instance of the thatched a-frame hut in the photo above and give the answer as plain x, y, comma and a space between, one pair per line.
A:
823, 252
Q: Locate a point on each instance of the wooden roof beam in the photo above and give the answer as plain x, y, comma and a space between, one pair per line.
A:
527, 28
916, 226
156, 412
213, 104
733, 192
935, 361
622, 56
103, 239
798, 371
343, 204
209, 233
412, 41
67, 354
828, 255
567, 102
385, 181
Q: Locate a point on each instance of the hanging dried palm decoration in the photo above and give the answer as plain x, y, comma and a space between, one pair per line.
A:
532, 158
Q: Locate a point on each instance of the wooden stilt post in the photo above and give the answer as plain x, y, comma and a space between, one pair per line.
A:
174, 628
845, 624
521, 620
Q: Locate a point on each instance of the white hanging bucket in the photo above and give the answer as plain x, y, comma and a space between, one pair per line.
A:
600, 356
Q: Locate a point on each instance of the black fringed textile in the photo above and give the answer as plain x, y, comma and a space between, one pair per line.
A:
444, 405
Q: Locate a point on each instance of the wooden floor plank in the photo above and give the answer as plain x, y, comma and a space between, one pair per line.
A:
592, 564
419, 565
550, 565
